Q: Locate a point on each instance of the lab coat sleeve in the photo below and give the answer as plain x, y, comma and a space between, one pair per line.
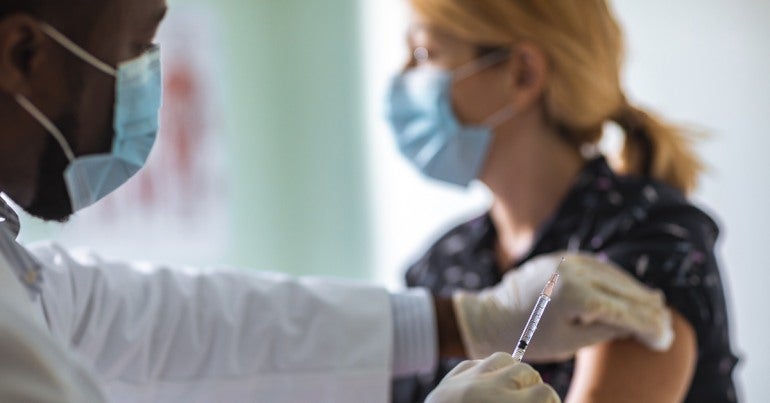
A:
415, 335
156, 334
33, 366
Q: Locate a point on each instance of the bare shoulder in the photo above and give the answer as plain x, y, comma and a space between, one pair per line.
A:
624, 370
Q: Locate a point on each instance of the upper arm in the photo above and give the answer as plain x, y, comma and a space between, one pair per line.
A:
624, 370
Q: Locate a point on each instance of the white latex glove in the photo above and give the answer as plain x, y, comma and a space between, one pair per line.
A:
497, 379
594, 301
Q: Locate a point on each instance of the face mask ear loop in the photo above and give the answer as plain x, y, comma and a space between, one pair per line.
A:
498, 118
480, 64
47, 124
62, 40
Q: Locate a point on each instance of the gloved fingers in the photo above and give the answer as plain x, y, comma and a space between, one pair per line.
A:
598, 333
486, 325
598, 307
658, 335
590, 273
470, 313
574, 337
501, 366
462, 367
540, 393
662, 338
520, 374
497, 361
628, 288
650, 325
535, 272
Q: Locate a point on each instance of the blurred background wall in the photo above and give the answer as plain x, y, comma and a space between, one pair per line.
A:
275, 155
274, 97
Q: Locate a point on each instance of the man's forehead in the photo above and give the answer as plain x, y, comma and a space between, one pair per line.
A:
158, 9
131, 19
159, 13
144, 9
122, 27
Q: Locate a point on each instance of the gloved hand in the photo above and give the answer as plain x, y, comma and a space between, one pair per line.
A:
594, 301
496, 379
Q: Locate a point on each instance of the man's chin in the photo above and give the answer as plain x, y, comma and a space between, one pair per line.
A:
51, 201
52, 208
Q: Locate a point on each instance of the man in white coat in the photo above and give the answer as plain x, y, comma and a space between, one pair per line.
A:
79, 96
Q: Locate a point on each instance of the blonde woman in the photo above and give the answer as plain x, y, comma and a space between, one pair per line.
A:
515, 93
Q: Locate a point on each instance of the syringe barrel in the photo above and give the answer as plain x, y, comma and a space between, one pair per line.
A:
534, 320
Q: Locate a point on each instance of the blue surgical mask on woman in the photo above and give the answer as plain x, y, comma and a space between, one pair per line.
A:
90, 178
427, 131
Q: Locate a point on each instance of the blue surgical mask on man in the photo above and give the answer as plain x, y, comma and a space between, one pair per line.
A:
427, 131
89, 178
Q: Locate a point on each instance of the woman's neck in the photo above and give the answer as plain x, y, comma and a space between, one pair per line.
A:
529, 172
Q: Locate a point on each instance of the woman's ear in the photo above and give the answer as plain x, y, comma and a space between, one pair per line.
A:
529, 74
21, 42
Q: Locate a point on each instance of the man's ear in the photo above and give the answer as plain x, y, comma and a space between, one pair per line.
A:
22, 44
529, 70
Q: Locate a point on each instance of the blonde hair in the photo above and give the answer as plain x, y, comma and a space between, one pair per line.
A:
584, 46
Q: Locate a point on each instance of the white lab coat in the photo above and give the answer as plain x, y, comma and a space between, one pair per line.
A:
35, 368
153, 334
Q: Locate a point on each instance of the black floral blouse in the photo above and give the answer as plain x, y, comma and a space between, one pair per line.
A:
644, 226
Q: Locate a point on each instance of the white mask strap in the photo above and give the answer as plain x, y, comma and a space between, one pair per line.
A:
77, 50
47, 124
500, 117
480, 64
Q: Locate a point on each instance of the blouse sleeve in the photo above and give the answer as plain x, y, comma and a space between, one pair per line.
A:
672, 249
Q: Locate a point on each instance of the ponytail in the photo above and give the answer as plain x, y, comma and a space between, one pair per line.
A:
657, 149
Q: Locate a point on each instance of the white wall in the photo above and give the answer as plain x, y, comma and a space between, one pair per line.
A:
703, 62
409, 211
283, 104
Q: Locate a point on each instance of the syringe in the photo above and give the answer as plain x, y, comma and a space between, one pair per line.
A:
537, 313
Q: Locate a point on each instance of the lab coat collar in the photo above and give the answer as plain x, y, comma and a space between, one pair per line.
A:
26, 267
10, 220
